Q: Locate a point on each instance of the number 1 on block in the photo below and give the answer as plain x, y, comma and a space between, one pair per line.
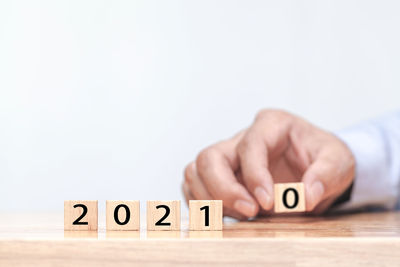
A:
205, 215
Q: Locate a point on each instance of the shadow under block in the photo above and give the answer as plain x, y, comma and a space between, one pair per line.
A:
80, 215
205, 215
289, 197
122, 215
164, 215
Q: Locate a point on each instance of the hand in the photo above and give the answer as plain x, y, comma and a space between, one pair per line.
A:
277, 148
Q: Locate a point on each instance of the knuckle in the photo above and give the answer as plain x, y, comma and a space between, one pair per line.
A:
262, 114
275, 114
245, 143
205, 158
279, 115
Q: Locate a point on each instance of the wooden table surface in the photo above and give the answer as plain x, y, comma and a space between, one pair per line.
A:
351, 240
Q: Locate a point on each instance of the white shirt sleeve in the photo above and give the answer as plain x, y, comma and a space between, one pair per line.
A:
376, 148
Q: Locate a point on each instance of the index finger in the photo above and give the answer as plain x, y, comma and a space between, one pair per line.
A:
268, 135
218, 177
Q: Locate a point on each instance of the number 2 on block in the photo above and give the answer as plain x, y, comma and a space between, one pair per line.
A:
80, 215
84, 212
167, 211
163, 215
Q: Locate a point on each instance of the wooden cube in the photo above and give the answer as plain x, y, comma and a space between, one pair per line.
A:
80, 215
122, 215
289, 197
205, 215
164, 215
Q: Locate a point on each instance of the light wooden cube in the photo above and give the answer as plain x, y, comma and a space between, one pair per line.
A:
122, 215
289, 197
205, 215
80, 215
164, 215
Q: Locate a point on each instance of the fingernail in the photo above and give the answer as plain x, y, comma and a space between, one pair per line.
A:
263, 198
244, 207
317, 191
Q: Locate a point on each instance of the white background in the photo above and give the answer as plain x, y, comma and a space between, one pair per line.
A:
111, 99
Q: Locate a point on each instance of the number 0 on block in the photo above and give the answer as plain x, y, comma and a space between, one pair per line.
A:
122, 215
289, 197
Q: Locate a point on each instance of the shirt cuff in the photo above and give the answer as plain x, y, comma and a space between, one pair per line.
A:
372, 186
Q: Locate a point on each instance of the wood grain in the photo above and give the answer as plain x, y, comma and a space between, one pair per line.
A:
365, 239
235, 252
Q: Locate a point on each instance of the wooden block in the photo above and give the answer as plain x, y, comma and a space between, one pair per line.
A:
289, 197
205, 215
164, 215
80, 215
122, 215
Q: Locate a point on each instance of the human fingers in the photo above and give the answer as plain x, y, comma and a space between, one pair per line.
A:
328, 176
217, 175
193, 182
267, 136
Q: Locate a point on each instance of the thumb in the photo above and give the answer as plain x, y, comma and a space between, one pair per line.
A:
319, 180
